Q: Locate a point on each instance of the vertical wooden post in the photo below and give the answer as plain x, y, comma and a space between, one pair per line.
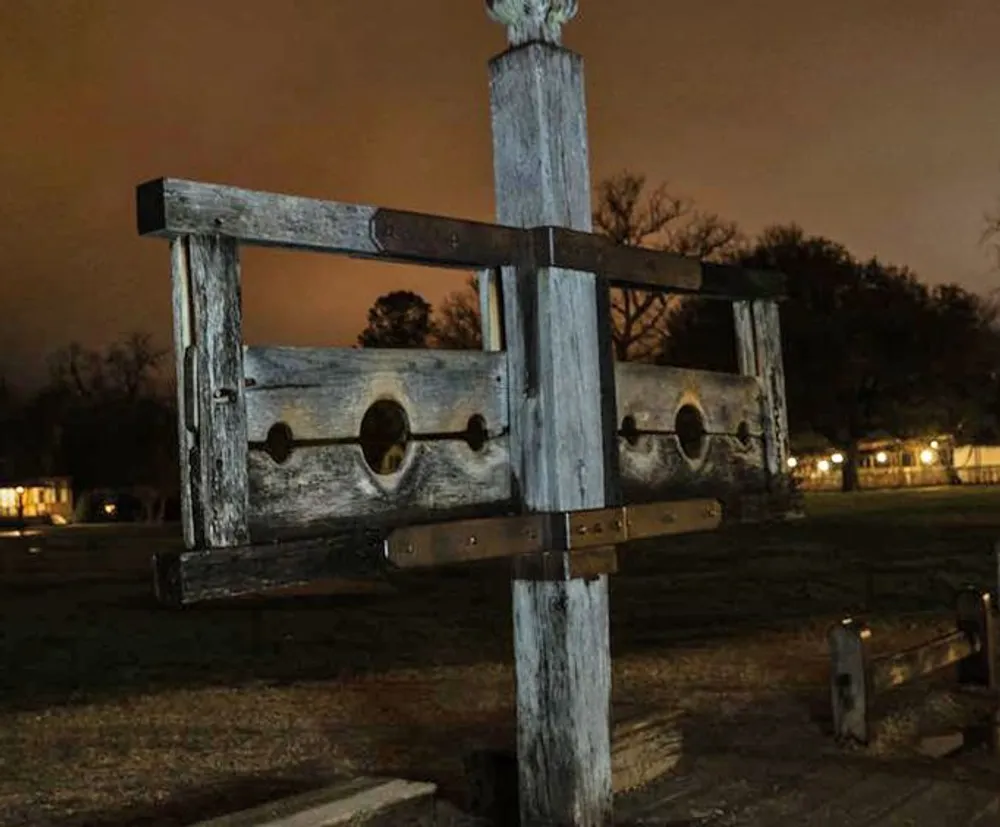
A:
758, 343
561, 441
208, 345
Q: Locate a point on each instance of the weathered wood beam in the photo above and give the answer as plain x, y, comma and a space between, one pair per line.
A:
317, 486
187, 577
651, 395
323, 393
561, 442
689, 433
758, 342
171, 207
213, 432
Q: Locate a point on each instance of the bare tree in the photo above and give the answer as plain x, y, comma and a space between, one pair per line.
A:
456, 325
633, 216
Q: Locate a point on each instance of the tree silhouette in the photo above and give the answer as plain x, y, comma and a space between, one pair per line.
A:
397, 319
456, 324
868, 349
630, 215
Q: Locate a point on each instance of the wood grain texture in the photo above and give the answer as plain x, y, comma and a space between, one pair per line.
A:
317, 487
758, 343
172, 207
323, 393
187, 399
563, 653
771, 367
558, 440
207, 278
550, 316
653, 465
350, 550
655, 468
652, 395
746, 344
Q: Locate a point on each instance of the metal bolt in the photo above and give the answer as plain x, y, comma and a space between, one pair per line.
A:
581, 529
472, 541
409, 549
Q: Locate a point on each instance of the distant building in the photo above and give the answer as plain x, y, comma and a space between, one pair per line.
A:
902, 463
47, 499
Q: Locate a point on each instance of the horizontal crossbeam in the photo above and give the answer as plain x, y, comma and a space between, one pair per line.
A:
171, 207
357, 550
468, 540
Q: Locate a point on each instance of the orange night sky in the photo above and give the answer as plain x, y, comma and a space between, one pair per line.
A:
877, 124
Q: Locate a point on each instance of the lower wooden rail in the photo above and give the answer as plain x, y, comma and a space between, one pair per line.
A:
856, 678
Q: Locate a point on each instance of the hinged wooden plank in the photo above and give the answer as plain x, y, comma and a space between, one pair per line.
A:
324, 393
652, 396
318, 486
689, 433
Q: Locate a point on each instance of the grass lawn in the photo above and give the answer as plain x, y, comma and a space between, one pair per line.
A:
115, 711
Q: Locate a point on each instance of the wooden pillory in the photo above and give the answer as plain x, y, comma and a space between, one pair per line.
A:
540, 448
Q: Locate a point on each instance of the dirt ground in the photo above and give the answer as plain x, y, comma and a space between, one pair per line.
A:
114, 711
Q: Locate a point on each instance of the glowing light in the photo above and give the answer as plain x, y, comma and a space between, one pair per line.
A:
110, 508
837, 458
881, 457
793, 462
823, 465
927, 456
934, 444
19, 490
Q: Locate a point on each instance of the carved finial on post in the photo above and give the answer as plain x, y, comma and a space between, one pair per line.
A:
530, 21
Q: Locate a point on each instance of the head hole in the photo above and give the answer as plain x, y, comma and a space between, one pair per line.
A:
278, 443
689, 426
385, 434
476, 433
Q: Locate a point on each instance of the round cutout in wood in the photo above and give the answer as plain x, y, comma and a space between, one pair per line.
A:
384, 437
689, 425
476, 433
743, 435
629, 430
279, 441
